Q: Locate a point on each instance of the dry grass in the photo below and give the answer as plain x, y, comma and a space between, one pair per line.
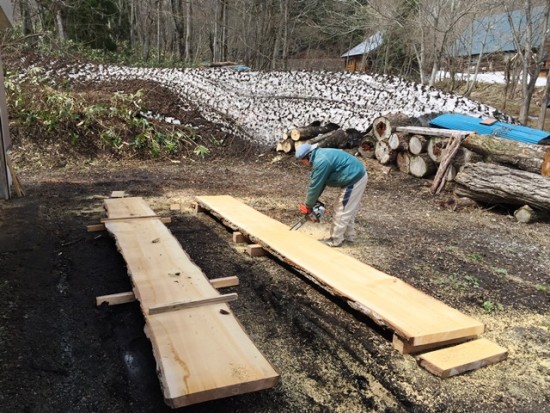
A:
493, 94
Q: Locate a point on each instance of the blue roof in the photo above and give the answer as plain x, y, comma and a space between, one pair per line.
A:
500, 129
494, 33
372, 43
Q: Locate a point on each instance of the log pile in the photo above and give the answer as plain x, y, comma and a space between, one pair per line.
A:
483, 168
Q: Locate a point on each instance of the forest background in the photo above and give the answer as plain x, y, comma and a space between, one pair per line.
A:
293, 34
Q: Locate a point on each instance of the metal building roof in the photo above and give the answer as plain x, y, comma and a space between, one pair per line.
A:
372, 43
500, 129
495, 33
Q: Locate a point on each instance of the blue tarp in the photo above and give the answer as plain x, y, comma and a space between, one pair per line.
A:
501, 129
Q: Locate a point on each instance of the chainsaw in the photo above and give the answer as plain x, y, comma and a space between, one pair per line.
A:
315, 215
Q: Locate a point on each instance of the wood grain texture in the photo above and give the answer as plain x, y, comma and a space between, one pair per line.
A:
414, 315
202, 353
458, 359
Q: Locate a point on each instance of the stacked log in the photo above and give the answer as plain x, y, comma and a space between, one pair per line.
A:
484, 168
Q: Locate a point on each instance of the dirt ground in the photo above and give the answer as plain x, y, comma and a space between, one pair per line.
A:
59, 353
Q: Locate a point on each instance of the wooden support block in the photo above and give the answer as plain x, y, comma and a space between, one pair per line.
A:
458, 359
115, 299
103, 220
255, 250
231, 281
224, 298
406, 348
197, 207
238, 237
118, 194
175, 207
95, 227
488, 121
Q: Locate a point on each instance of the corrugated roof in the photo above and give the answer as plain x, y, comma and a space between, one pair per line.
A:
372, 43
500, 129
494, 33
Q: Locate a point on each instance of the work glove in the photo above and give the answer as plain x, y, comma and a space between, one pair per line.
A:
304, 209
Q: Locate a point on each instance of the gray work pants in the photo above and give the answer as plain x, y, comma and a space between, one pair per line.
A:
345, 209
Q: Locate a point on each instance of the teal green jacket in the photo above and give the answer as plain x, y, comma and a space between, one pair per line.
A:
332, 167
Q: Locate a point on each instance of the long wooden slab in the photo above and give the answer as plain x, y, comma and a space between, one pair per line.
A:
472, 355
202, 353
414, 315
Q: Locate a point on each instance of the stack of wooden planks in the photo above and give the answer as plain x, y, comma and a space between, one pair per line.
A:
419, 321
202, 351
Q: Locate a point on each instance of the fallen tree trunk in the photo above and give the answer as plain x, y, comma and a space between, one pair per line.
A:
523, 156
335, 139
308, 132
498, 184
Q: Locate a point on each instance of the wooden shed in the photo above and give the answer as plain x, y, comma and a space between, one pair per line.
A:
360, 58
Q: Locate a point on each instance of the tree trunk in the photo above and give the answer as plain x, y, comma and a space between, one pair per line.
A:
422, 166
464, 156
366, 148
497, 184
418, 144
383, 126
398, 142
383, 153
335, 139
404, 162
436, 146
509, 152
308, 132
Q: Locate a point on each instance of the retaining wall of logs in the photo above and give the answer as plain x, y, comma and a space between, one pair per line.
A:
483, 168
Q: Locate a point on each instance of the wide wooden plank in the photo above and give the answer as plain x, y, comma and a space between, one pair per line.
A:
415, 316
202, 353
458, 359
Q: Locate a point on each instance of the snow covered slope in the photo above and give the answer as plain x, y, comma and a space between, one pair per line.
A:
262, 105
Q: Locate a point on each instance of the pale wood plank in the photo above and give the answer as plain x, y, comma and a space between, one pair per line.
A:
419, 130
224, 282
192, 304
417, 317
458, 359
203, 353
118, 194
115, 299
